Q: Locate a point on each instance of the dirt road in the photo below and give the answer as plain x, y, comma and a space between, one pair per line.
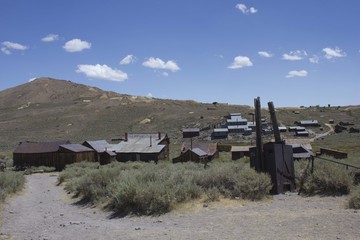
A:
45, 211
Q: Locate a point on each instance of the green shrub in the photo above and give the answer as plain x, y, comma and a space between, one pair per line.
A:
252, 185
10, 182
354, 199
152, 189
327, 179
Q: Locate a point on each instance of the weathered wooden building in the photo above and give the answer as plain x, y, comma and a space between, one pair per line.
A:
37, 154
238, 152
197, 152
142, 147
100, 147
190, 132
72, 153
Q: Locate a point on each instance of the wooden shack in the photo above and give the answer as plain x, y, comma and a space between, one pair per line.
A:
72, 153
238, 152
197, 152
192, 155
36, 154
190, 132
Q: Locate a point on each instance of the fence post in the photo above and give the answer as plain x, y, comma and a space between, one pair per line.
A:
312, 164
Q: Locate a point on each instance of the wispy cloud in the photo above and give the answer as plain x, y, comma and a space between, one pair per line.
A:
295, 55
5, 51
301, 73
240, 62
128, 59
245, 10
149, 95
8, 46
265, 54
314, 59
333, 53
157, 63
50, 38
102, 72
76, 45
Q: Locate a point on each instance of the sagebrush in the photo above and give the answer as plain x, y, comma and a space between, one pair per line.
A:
150, 189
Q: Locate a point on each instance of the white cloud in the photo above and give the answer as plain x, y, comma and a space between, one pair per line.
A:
128, 59
7, 46
15, 46
314, 59
157, 63
295, 55
5, 51
333, 53
50, 38
76, 45
240, 62
301, 73
165, 74
102, 72
149, 95
265, 54
245, 10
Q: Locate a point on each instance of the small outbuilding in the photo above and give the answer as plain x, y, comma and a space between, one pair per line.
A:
72, 153
238, 152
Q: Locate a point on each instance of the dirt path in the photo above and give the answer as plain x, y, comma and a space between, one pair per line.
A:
45, 211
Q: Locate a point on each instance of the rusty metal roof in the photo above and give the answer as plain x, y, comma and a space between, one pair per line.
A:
76, 148
39, 147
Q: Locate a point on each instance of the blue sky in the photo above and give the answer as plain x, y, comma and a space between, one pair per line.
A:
290, 52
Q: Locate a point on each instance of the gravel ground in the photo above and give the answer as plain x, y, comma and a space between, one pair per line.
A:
45, 211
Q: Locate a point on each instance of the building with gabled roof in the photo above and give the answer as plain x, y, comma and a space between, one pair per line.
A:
142, 147
50, 154
197, 152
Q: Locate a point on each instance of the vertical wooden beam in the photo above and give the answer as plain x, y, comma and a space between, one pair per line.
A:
259, 142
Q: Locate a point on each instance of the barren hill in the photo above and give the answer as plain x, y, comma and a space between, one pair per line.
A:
49, 109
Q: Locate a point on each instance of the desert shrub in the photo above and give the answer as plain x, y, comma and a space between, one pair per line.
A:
72, 171
302, 171
327, 179
252, 185
10, 182
354, 199
152, 189
40, 169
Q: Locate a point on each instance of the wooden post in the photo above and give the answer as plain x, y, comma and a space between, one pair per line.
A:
259, 143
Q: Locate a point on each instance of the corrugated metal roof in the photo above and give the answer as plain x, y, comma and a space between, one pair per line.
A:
39, 147
308, 122
76, 148
145, 138
199, 152
98, 145
125, 147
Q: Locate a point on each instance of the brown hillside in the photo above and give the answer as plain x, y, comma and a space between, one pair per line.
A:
49, 109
